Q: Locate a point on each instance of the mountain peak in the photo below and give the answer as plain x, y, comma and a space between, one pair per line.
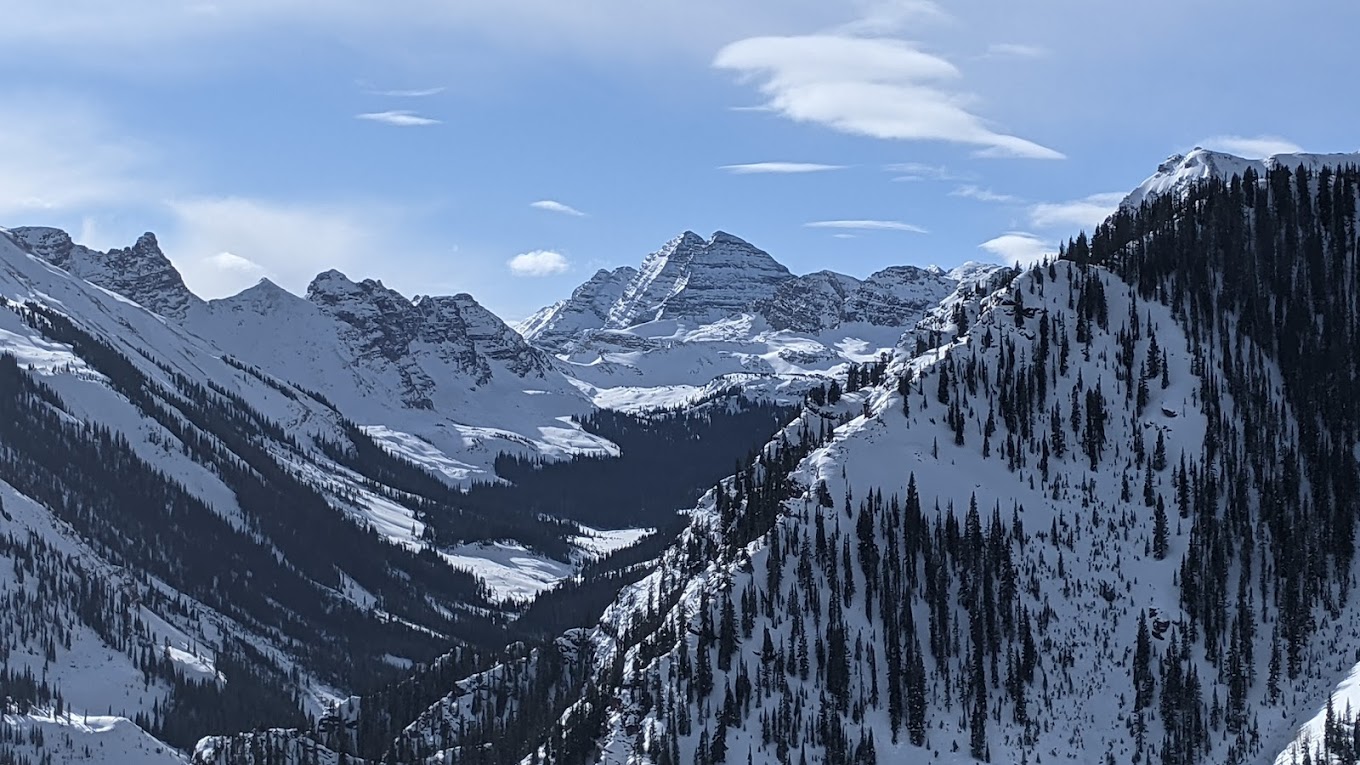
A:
698, 279
588, 308
141, 273
1181, 171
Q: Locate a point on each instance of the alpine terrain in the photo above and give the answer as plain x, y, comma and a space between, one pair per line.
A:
1097, 509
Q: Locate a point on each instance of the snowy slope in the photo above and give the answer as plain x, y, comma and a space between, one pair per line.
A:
439, 380
880, 452
1180, 171
86, 618
141, 272
1082, 542
440, 371
76, 738
513, 573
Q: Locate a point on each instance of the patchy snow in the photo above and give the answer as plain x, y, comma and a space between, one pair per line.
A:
513, 573
74, 737
510, 571
597, 544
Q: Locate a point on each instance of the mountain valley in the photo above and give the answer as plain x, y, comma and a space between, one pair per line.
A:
1097, 509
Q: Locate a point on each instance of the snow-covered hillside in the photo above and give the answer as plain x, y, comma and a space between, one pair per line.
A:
438, 380
442, 381
189, 541
1099, 511
1181, 172
1102, 510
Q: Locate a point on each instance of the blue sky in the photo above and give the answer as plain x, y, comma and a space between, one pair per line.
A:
409, 140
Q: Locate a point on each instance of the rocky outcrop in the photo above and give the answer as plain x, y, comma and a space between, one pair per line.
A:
140, 273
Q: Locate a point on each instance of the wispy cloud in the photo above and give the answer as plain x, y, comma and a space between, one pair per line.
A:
538, 263
62, 157
983, 195
398, 118
919, 171
868, 225
1253, 147
877, 87
1018, 248
1016, 50
890, 16
1086, 213
401, 30
551, 205
754, 168
414, 93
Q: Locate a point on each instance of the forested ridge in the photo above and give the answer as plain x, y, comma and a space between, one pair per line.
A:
1113, 520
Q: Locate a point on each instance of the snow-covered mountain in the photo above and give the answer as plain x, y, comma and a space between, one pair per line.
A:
189, 540
706, 314
140, 273
1181, 172
1103, 510
439, 380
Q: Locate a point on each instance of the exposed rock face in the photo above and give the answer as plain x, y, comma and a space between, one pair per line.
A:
700, 280
810, 303
456, 331
140, 273
363, 329
897, 296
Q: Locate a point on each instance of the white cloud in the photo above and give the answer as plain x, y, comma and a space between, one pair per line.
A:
223, 245
754, 168
398, 118
1016, 50
1084, 213
876, 87
1253, 147
551, 205
868, 225
538, 263
982, 195
1018, 248
230, 261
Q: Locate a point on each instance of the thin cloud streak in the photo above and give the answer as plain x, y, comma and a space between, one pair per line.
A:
756, 168
416, 93
1016, 50
398, 118
983, 195
1252, 147
868, 225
